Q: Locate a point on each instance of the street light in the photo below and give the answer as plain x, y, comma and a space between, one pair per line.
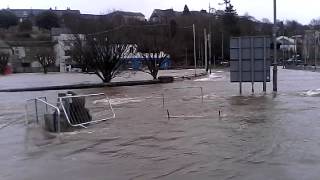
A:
194, 47
275, 64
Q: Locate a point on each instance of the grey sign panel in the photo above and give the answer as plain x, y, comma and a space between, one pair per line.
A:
250, 59
247, 77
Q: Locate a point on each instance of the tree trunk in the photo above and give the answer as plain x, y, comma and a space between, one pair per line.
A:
154, 75
45, 70
107, 78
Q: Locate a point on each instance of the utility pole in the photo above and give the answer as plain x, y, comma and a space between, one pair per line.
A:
186, 58
315, 50
275, 63
199, 52
222, 46
205, 50
210, 35
296, 47
283, 53
308, 50
305, 48
194, 50
210, 52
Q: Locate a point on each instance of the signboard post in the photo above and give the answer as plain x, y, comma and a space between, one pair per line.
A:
250, 60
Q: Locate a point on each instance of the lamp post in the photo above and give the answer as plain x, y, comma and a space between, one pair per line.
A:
193, 27
275, 64
222, 46
194, 50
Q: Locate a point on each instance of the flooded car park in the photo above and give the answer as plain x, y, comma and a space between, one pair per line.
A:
225, 136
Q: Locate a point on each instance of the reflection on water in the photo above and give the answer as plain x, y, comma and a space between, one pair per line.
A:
312, 93
212, 77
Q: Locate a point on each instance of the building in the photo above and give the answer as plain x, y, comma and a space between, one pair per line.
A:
23, 56
23, 14
127, 16
5, 48
134, 59
92, 16
287, 44
62, 48
163, 16
311, 46
166, 15
23, 53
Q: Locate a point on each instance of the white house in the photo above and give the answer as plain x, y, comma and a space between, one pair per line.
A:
64, 43
287, 44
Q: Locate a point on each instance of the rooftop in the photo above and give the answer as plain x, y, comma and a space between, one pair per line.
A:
3, 44
125, 13
22, 13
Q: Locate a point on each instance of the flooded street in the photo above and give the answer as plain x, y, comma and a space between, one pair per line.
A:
260, 136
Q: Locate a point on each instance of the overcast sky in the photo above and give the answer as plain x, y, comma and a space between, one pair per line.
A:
300, 10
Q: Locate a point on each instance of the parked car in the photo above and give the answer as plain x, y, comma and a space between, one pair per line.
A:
225, 63
293, 61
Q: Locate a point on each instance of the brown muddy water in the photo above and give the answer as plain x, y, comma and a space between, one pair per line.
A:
260, 136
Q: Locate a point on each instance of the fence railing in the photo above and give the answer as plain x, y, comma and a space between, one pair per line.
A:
32, 108
81, 110
172, 115
39, 110
77, 111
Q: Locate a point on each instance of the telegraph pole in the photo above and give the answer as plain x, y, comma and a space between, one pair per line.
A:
315, 50
194, 50
210, 52
206, 49
275, 63
210, 37
222, 46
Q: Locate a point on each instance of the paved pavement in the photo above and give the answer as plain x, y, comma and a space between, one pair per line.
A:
30, 80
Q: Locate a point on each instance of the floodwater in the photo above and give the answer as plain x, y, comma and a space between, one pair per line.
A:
255, 136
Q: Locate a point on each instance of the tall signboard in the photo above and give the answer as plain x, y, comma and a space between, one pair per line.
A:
250, 60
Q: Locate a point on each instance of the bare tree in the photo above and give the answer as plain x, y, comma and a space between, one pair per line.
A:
154, 59
315, 23
4, 59
46, 58
107, 57
79, 52
153, 45
266, 21
102, 55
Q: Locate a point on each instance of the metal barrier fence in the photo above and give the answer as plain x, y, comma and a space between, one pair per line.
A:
38, 111
32, 109
77, 111
81, 110
169, 113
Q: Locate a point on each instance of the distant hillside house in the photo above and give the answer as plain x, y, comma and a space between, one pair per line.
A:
163, 16
126, 17
62, 48
287, 44
23, 59
23, 14
92, 16
5, 48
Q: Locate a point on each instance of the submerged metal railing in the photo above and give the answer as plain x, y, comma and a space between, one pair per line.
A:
31, 108
81, 110
77, 110
169, 113
40, 114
